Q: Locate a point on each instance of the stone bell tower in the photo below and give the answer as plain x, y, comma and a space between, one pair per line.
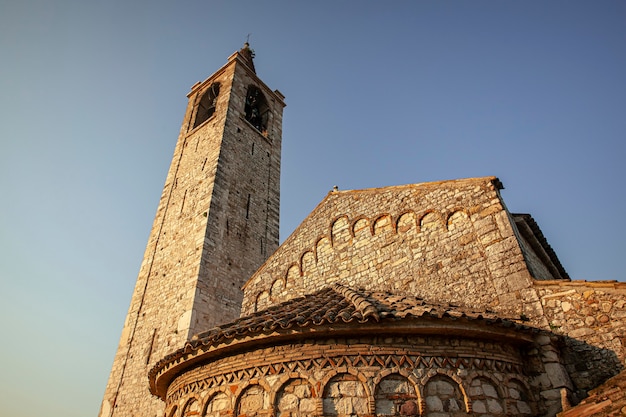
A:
216, 223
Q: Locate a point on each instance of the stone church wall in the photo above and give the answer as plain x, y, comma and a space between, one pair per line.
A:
591, 318
450, 241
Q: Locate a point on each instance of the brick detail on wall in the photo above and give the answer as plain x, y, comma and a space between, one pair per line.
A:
365, 376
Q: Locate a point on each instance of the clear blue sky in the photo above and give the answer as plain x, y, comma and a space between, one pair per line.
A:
92, 94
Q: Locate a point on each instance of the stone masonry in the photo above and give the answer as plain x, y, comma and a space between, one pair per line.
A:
365, 353
216, 222
590, 318
451, 240
426, 299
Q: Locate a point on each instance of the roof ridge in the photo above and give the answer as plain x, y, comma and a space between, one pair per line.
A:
360, 302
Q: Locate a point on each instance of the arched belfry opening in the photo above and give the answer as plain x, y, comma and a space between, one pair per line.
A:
256, 109
206, 107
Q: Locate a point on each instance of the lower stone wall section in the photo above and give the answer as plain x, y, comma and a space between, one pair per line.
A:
392, 376
590, 318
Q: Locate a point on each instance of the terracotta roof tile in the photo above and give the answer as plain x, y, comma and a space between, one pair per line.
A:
332, 305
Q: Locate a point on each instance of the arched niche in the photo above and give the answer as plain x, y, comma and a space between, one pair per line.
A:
252, 401
406, 222
218, 405
383, 225
340, 233
307, 262
277, 288
262, 301
295, 398
323, 250
293, 276
395, 395
458, 221
431, 221
443, 397
361, 228
520, 402
345, 395
486, 398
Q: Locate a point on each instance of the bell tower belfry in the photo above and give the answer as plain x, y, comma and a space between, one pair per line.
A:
216, 223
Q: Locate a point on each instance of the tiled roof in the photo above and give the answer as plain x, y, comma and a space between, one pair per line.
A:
332, 305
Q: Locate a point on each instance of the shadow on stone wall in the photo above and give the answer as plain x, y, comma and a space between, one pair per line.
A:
587, 365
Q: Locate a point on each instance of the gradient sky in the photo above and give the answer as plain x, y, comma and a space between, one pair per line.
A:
92, 94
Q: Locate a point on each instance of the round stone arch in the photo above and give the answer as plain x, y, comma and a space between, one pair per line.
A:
511, 399
381, 218
286, 377
262, 301
405, 372
212, 395
414, 408
516, 379
326, 385
323, 249
406, 221
189, 403
312, 403
335, 236
293, 271
438, 220
302, 260
367, 226
497, 380
247, 386
330, 374
453, 212
481, 396
278, 287
445, 374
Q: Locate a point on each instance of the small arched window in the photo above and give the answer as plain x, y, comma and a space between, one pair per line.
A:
256, 109
206, 107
